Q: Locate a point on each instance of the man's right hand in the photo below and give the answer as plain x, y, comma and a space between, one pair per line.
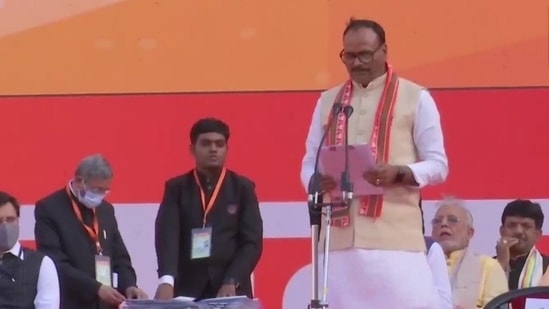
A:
327, 183
502, 251
110, 295
164, 292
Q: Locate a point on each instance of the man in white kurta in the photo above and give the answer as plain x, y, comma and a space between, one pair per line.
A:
377, 247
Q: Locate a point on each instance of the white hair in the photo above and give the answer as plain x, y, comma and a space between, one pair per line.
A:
452, 201
94, 167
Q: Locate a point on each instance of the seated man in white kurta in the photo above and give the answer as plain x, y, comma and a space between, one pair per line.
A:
378, 250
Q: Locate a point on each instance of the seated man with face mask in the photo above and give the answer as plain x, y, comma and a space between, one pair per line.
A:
475, 279
28, 279
78, 229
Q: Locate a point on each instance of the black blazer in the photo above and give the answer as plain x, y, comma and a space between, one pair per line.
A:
237, 236
60, 235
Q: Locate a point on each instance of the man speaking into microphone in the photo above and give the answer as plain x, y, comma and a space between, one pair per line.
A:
377, 247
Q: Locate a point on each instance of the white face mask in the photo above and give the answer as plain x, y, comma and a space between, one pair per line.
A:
91, 199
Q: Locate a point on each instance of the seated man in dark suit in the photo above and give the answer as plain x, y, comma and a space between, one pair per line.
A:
77, 228
28, 279
521, 224
209, 231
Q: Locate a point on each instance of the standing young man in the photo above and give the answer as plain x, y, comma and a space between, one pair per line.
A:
209, 231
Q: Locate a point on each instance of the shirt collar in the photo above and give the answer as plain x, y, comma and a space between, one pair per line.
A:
71, 188
376, 83
454, 257
15, 250
206, 179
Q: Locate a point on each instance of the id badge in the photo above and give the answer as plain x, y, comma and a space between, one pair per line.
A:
201, 243
103, 270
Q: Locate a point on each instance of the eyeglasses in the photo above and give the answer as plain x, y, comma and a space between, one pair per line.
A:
10, 219
364, 56
451, 220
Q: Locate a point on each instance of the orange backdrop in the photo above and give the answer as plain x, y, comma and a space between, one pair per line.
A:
120, 46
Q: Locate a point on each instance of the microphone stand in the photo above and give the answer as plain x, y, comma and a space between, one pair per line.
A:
346, 184
316, 204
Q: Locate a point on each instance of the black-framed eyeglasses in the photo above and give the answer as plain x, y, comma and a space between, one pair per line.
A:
364, 56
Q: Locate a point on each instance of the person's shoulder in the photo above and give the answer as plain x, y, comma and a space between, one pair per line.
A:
331, 92
489, 262
53, 199
434, 245
33, 254
107, 205
179, 179
434, 250
243, 181
47, 261
47, 265
403, 82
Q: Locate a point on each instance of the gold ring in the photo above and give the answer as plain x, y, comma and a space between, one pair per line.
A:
504, 241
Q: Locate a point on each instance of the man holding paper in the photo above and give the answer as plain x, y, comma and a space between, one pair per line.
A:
377, 243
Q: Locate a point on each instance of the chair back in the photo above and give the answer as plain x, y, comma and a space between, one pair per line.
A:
517, 298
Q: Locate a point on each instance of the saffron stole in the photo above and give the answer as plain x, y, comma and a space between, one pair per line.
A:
370, 206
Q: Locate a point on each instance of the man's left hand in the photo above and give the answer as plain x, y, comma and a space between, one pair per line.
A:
227, 290
382, 175
135, 293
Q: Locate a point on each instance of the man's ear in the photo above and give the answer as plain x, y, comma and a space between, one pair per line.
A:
78, 182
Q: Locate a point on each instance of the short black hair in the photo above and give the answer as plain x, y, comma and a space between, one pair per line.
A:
354, 24
6, 198
209, 125
523, 209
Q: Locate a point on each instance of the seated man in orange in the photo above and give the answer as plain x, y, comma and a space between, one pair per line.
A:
475, 279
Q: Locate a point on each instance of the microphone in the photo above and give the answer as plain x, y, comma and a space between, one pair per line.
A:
314, 189
348, 111
346, 184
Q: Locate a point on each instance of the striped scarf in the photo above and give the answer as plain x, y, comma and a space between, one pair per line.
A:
532, 271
